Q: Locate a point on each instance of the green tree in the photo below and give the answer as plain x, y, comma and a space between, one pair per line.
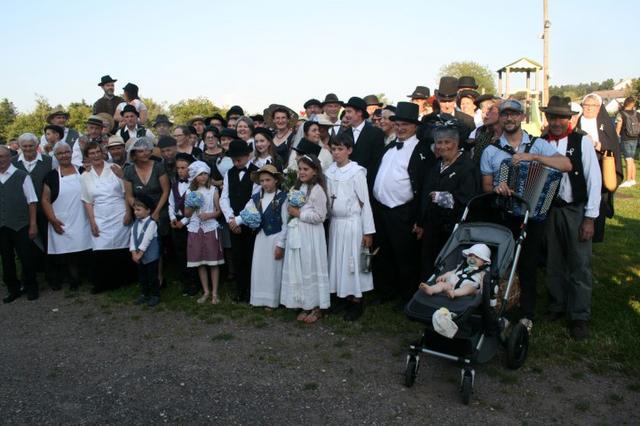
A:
184, 110
482, 74
154, 108
78, 114
8, 115
32, 122
633, 89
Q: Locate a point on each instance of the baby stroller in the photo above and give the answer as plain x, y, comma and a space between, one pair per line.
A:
482, 326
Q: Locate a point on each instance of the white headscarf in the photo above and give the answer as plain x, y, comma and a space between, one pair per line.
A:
198, 167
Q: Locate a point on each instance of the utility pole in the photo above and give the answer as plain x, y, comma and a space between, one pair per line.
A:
545, 37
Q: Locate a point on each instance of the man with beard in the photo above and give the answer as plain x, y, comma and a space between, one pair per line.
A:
570, 225
162, 125
516, 144
312, 108
108, 102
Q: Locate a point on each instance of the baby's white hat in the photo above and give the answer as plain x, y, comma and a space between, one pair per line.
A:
480, 250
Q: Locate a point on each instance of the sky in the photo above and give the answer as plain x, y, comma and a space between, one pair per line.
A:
254, 53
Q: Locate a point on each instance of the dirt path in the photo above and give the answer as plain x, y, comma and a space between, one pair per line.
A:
87, 360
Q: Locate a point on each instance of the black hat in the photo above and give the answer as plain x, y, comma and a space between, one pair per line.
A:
129, 108
132, 89
185, 157
559, 106
106, 79
305, 146
331, 98
59, 130
312, 102
196, 118
55, 114
372, 100
448, 88
480, 99
466, 81
166, 142
407, 112
146, 200
359, 104
238, 148
192, 130
162, 119
390, 108
421, 92
264, 132
257, 117
230, 133
215, 116
467, 93
234, 110
95, 120
213, 129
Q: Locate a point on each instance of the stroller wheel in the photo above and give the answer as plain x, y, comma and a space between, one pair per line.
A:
517, 346
411, 370
466, 386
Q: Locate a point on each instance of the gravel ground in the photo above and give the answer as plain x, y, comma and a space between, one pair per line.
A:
88, 360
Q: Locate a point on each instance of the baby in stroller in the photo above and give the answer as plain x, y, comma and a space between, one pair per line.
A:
467, 278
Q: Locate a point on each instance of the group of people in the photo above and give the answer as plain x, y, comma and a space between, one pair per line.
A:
309, 213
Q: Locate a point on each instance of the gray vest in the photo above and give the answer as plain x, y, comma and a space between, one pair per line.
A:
38, 173
14, 211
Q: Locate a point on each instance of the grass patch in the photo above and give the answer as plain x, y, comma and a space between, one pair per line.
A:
225, 337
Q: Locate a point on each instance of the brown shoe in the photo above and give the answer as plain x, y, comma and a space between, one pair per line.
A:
579, 330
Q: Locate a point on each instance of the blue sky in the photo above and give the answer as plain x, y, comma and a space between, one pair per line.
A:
254, 53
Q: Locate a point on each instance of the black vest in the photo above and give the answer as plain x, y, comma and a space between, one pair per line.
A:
576, 175
240, 190
124, 133
14, 210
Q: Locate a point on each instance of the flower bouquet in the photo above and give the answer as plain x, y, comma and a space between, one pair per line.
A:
296, 198
194, 200
251, 217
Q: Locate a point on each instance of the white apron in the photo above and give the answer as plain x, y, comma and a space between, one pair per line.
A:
69, 209
109, 211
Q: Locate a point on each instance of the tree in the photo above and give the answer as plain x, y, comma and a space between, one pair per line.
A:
184, 110
633, 89
154, 108
32, 122
78, 114
8, 115
482, 74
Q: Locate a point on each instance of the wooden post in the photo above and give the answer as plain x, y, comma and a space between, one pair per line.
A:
500, 93
506, 84
545, 77
528, 85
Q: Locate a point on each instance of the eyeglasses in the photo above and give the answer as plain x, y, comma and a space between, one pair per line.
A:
510, 114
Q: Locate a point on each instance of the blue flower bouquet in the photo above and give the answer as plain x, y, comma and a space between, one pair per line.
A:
251, 217
194, 200
296, 198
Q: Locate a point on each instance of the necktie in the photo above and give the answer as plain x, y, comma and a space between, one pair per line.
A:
399, 145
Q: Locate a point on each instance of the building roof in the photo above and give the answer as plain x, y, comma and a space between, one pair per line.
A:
522, 65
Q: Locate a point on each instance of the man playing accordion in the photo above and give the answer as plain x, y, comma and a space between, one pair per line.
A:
516, 144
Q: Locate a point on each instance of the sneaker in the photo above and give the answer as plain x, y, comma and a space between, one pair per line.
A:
141, 300
527, 323
579, 330
633, 183
627, 184
153, 301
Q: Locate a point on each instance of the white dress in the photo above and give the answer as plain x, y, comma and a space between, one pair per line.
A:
305, 274
106, 193
351, 218
69, 210
266, 271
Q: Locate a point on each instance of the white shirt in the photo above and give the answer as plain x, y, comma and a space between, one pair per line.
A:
592, 176
149, 234
30, 165
392, 187
182, 189
336, 127
225, 203
357, 131
590, 125
27, 186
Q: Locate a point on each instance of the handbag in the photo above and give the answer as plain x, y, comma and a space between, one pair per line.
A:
609, 178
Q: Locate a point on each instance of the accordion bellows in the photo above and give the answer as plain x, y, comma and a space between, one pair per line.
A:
534, 182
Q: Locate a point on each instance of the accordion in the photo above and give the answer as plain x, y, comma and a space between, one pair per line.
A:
535, 183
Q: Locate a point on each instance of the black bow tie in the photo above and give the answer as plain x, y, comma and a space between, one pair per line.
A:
244, 169
398, 145
183, 180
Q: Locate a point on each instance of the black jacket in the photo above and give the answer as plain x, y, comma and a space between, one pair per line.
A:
368, 150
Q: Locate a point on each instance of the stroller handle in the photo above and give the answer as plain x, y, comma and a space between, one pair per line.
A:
492, 195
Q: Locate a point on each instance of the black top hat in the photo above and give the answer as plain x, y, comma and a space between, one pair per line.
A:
129, 108
407, 112
55, 114
215, 116
258, 117
312, 102
331, 98
131, 89
559, 106
238, 148
480, 99
166, 142
448, 88
59, 130
421, 92
359, 104
185, 157
264, 132
162, 119
106, 79
306, 147
466, 81
146, 200
230, 133
372, 100
234, 110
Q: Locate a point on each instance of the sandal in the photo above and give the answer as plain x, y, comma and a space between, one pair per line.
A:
314, 316
203, 298
214, 299
302, 316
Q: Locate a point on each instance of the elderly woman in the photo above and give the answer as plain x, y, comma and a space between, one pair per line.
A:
104, 201
149, 177
448, 187
69, 233
245, 129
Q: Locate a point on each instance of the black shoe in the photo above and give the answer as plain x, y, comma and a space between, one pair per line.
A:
11, 297
32, 296
338, 305
55, 287
554, 316
579, 330
153, 301
354, 311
